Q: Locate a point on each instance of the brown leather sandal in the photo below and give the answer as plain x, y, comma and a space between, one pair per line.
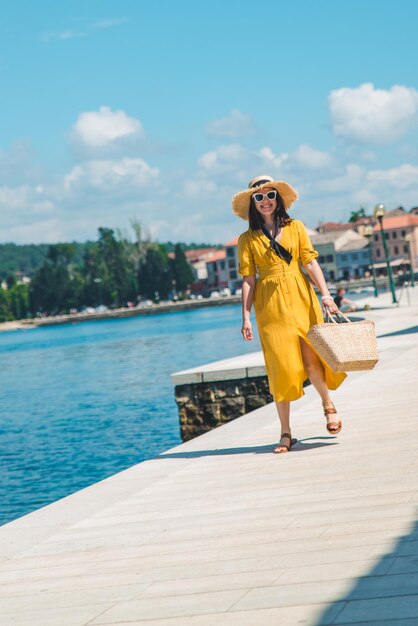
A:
336, 425
283, 445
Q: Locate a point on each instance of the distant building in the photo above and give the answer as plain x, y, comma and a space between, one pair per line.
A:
401, 233
198, 259
21, 278
327, 227
234, 279
358, 224
217, 271
330, 244
398, 211
353, 259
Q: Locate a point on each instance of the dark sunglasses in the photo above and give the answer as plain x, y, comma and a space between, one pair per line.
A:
270, 195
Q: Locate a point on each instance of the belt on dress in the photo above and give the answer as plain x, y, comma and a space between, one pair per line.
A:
275, 271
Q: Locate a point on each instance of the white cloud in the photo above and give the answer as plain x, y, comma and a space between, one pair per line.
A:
99, 128
368, 155
106, 174
408, 152
348, 181
366, 114
110, 23
39, 231
401, 177
18, 166
111, 184
68, 33
228, 168
186, 227
234, 125
62, 35
14, 197
310, 158
363, 197
227, 156
271, 160
239, 161
197, 186
28, 215
24, 197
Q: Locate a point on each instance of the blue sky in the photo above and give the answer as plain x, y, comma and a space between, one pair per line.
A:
161, 111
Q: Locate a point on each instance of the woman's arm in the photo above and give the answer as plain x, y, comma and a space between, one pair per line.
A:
248, 288
315, 273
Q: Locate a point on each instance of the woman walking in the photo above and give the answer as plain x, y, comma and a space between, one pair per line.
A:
285, 303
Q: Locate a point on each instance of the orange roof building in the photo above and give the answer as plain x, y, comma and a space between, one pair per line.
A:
199, 254
216, 256
398, 221
401, 235
233, 242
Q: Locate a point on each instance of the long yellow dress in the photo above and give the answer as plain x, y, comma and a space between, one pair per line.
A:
285, 306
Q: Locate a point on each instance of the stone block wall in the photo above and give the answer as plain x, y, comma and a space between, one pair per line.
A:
204, 406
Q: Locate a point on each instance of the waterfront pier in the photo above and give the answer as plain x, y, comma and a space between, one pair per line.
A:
219, 530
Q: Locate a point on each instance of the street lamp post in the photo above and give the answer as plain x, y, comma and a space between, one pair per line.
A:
411, 259
368, 232
379, 213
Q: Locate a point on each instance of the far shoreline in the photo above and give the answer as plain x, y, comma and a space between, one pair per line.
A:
166, 307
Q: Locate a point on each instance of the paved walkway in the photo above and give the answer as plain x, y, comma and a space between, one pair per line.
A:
221, 531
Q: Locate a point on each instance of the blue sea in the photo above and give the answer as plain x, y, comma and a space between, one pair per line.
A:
80, 402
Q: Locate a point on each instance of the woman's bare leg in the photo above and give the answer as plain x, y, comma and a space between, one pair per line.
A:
283, 409
316, 374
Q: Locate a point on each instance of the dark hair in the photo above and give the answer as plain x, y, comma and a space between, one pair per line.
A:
281, 216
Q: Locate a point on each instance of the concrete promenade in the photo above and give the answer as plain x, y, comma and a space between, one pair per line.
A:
221, 531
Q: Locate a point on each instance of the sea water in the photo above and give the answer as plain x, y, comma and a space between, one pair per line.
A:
80, 402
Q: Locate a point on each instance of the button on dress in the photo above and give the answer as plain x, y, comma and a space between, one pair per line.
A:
285, 307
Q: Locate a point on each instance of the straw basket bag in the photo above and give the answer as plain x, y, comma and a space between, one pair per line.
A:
345, 347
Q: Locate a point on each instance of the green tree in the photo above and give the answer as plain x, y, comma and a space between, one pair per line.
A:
355, 215
21, 258
114, 269
61, 253
95, 288
51, 289
136, 250
154, 274
18, 297
10, 281
5, 313
183, 273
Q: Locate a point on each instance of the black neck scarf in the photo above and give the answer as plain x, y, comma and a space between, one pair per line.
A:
281, 252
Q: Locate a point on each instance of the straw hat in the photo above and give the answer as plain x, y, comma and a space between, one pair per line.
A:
241, 200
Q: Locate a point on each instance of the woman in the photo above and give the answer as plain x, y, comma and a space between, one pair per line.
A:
285, 303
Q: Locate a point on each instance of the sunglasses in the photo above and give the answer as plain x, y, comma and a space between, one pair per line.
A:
270, 195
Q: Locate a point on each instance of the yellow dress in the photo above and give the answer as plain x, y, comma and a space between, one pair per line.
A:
285, 306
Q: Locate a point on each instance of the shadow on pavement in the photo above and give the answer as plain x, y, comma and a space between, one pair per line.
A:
405, 331
301, 446
387, 595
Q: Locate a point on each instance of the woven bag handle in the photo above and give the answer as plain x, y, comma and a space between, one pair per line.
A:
329, 316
